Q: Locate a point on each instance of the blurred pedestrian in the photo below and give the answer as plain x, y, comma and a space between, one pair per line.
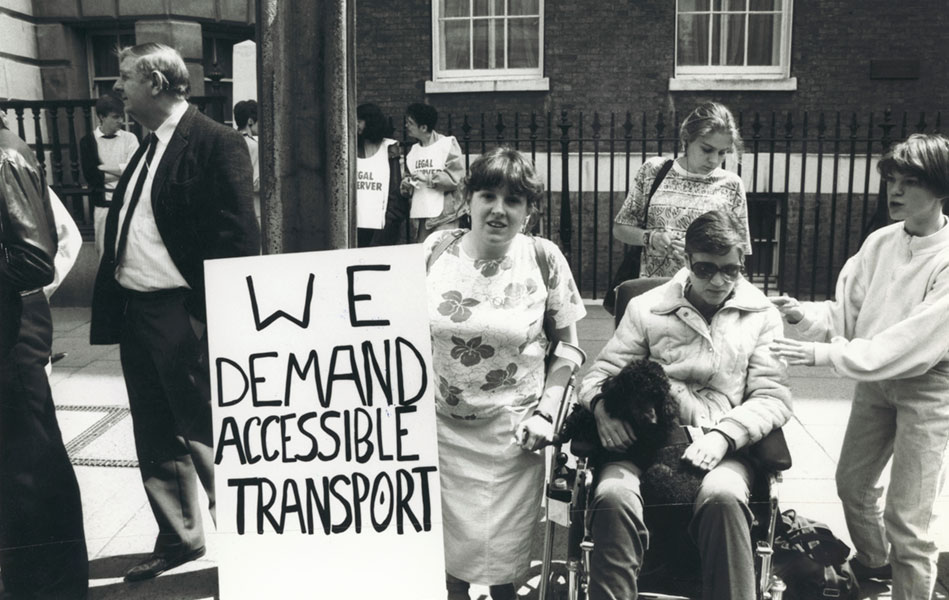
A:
42, 542
692, 184
193, 176
381, 209
434, 168
246, 119
888, 328
104, 154
68, 245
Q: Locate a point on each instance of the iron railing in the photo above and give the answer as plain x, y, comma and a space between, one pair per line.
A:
53, 129
812, 187
811, 182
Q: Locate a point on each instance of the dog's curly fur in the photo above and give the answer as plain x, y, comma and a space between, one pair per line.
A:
639, 394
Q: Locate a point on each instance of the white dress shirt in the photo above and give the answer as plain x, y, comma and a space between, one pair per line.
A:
146, 265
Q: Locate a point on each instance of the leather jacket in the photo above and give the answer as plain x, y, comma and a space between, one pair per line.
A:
27, 229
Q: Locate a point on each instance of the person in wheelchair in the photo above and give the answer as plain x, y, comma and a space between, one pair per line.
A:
710, 329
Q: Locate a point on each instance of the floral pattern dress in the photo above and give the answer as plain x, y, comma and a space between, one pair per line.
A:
488, 347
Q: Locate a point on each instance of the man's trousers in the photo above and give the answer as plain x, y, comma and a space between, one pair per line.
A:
165, 364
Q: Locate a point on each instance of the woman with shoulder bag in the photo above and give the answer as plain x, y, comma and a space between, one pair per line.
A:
695, 184
494, 297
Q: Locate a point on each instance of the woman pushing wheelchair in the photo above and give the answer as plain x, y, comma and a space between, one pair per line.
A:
711, 331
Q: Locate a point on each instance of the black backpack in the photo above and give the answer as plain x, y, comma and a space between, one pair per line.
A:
811, 560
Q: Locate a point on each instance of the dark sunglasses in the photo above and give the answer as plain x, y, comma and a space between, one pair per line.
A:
707, 270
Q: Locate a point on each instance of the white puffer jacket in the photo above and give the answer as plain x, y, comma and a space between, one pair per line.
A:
723, 373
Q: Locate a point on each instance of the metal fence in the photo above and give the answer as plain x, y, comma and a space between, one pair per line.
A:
53, 129
811, 182
812, 187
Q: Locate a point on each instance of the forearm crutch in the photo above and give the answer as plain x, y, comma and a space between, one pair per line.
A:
558, 488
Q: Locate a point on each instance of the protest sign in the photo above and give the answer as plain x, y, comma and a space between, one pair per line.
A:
326, 466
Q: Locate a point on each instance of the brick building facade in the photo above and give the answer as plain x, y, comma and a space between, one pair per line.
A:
856, 57
619, 56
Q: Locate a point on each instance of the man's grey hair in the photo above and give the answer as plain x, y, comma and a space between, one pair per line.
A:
164, 63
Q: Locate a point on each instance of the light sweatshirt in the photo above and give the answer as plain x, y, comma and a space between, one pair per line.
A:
890, 318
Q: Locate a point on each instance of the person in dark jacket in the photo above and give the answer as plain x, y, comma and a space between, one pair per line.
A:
186, 197
381, 210
103, 153
42, 543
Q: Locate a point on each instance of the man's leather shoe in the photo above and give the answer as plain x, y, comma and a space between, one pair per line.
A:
156, 564
865, 573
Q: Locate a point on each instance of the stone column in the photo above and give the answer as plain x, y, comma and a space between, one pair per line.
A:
306, 75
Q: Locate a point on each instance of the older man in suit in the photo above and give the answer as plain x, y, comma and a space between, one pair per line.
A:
42, 546
185, 197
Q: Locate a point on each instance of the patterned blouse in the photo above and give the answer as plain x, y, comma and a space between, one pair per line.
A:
681, 197
487, 317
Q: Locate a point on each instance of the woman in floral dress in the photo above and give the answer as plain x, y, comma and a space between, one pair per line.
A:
489, 301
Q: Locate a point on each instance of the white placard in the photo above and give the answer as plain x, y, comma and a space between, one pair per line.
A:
326, 471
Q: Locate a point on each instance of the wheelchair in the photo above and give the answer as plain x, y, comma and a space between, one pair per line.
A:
569, 493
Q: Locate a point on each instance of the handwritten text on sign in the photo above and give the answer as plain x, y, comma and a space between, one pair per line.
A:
324, 429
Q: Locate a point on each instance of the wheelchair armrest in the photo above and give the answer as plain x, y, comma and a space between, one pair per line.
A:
771, 452
582, 448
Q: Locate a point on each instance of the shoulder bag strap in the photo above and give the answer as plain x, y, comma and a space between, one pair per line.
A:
441, 246
657, 180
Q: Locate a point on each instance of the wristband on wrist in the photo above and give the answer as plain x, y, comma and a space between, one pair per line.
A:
594, 402
543, 415
647, 236
728, 439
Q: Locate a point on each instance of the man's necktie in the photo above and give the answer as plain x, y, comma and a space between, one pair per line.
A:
152, 142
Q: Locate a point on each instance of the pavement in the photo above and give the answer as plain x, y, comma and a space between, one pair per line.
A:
92, 408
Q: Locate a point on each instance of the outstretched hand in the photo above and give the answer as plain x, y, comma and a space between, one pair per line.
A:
794, 351
790, 308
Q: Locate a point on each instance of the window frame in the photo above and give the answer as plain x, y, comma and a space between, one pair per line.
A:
96, 80
469, 80
731, 77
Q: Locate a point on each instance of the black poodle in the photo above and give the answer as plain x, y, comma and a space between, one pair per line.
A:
639, 394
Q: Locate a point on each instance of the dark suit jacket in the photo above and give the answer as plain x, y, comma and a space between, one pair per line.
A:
202, 198
89, 161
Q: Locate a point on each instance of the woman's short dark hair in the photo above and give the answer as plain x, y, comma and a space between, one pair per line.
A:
924, 156
710, 117
377, 125
505, 167
164, 61
423, 114
715, 232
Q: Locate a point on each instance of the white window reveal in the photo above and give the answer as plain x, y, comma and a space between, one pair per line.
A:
487, 45
733, 45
